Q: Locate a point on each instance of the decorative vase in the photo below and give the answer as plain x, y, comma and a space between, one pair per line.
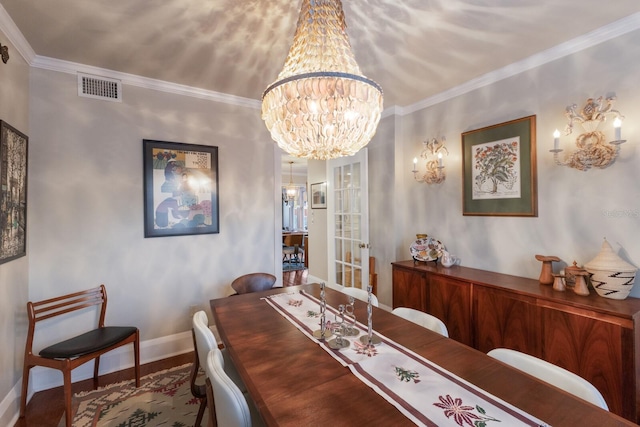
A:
611, 276
546, 277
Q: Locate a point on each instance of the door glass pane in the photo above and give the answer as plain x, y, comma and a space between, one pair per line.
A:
339, 250
346, 204
339, 271
357, 255
338, 230
346, 176
355, 227
355, 200
338, 201
357, 279
346, 226
355, 175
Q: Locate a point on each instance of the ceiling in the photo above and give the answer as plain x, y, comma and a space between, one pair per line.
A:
415, 49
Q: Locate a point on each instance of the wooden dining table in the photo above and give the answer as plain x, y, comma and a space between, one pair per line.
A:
294, 382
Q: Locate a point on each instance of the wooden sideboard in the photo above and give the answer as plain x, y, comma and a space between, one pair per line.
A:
594, 337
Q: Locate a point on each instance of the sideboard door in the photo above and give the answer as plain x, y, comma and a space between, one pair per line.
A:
409, 289
600, 350
450, 301
505, 319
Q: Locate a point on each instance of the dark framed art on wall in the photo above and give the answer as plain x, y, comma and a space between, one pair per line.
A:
319, 195
499, 169
13, 193
180, 189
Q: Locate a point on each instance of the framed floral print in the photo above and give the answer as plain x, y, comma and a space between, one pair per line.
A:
499, 169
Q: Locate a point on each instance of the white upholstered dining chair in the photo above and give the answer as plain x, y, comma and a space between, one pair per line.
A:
232, 409
360, 294
423, 319
552, 374
204, 342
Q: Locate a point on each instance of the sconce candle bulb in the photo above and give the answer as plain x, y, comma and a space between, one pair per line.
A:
617, 125
556, 139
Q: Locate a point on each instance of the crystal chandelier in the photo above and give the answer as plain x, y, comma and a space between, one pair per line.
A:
321, 106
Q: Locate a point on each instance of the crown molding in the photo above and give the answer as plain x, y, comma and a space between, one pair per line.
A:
593, 38
143, 82
15, 36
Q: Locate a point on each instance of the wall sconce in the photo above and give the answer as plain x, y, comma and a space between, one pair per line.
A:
433, 153
592, 150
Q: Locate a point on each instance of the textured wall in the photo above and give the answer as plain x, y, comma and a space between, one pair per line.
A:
14, 109
87, 207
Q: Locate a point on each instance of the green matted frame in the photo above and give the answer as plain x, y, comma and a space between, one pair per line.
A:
526, 204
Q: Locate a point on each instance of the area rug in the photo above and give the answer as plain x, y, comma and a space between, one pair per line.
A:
163, 399
286, 266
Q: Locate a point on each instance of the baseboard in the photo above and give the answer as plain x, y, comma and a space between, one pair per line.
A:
10, 406
116, 360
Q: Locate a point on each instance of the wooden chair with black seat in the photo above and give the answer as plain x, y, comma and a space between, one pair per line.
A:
293, 249
71, 353
253, 282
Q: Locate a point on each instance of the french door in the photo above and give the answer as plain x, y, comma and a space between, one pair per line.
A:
348, 220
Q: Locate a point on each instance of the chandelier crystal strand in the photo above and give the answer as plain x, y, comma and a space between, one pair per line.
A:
321, 106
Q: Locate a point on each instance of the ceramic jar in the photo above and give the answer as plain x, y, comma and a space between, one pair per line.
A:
611, 276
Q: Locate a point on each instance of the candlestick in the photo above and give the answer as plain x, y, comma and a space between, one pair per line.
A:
439, 160
322, 333
415, 164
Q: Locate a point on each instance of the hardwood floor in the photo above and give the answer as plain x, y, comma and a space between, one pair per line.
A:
46, 408
296, 277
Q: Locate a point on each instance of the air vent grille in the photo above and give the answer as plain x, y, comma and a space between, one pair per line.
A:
99, 87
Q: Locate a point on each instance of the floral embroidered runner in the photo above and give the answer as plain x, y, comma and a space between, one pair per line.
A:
424, 392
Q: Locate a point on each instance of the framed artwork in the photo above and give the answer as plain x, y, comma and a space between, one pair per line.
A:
319, 195
13, 193
180, 189
499, 175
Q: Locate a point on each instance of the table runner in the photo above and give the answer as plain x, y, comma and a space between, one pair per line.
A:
424, 392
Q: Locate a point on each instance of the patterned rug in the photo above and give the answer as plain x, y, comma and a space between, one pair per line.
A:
163, 399
292, 266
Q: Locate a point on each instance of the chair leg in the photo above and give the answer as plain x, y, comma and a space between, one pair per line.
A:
136, 355
25, 387
203, 406
66, 374
96, 369
213, 421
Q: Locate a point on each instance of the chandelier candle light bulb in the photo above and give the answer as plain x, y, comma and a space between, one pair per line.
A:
556, 139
